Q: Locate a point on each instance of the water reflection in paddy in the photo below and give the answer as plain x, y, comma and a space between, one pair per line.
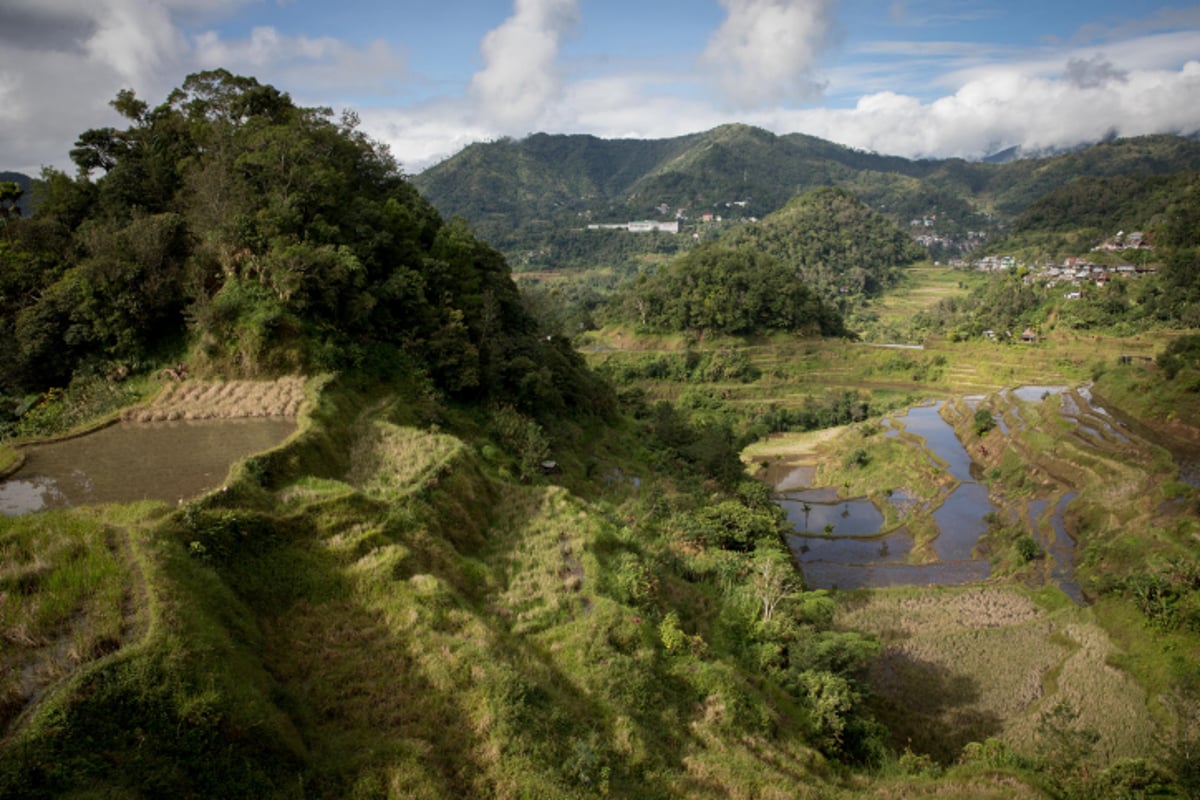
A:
786, 476
960, 522
926, 422
854, 555
137, 461
844, 518
893, 548
1035, 394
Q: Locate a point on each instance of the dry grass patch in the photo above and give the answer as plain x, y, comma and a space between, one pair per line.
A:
283, 397
541, 533
932, 612
963, 665
996, 786
389, 458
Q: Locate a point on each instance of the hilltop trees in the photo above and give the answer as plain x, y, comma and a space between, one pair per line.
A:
734, 290
262, 237
834, 243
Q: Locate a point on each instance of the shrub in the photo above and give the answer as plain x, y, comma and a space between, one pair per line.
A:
1027, 549
859, 458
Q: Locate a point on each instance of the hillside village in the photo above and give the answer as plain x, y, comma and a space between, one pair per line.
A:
1075, 272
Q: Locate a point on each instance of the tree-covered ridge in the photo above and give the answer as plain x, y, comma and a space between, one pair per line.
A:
267, 238
834, 243
522, 195
735, 290
1108, 205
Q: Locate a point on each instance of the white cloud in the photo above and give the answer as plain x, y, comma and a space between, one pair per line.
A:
133, 37
420, 136
765, 50
520, 77
1010, 108
325, 69
62, 61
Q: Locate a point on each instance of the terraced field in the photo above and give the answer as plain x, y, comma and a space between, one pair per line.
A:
193, 399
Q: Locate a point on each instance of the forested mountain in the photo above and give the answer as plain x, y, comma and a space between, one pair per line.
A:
521, 195
794, 271
260, 237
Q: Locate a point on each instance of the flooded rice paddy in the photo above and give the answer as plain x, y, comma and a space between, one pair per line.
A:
842, 543
127, 462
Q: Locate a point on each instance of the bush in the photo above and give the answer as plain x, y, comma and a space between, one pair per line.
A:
1182, 353
983, 422
859, 458
1027, 549
730, 525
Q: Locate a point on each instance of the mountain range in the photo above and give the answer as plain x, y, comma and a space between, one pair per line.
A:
518, 193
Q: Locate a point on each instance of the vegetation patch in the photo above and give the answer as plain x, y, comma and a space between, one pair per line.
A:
961, 666
188, 399
69, 594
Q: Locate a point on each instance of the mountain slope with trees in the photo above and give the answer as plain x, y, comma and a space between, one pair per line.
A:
256, 237
835, 243
528, 195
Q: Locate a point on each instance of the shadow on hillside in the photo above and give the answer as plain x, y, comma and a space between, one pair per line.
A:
929, 708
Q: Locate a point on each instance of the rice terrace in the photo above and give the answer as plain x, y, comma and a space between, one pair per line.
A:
856, 476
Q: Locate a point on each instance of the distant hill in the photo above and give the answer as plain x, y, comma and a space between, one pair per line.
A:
834, 242
519, 194
25, 182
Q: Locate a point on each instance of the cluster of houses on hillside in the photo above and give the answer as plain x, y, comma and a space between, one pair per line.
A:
1072, 271
1135, 240
964, 244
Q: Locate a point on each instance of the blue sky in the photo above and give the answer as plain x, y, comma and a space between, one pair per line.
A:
918, 78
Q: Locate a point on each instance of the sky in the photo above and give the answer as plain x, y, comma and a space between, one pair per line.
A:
916, 78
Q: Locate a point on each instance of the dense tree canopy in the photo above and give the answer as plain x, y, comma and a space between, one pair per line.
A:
834, 243
260, 237
735, 290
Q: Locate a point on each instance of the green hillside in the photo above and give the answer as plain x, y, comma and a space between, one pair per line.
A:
484, 564
403, 599
534, 195
248, 236
834, 243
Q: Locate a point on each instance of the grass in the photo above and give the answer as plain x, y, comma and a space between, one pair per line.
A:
921, 288
390, 458
965, 665
10, 460
413, 624
67, 597
380, 609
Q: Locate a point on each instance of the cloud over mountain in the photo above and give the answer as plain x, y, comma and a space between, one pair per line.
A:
619, 69
765, 50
